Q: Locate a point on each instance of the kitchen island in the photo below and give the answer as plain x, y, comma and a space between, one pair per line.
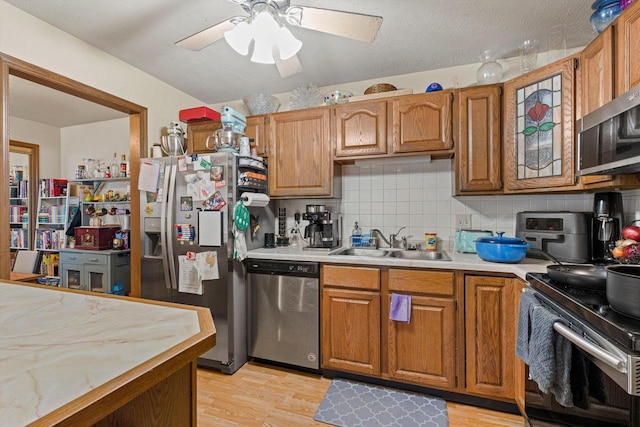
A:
78, 358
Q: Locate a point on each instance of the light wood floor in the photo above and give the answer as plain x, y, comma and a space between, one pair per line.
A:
262, 395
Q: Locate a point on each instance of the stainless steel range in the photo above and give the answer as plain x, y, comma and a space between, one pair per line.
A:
608, 339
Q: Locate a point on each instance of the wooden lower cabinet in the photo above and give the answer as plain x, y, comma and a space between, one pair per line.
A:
422, 351
490, 320
351, 319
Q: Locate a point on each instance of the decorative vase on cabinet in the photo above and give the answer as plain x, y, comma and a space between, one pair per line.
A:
490, 71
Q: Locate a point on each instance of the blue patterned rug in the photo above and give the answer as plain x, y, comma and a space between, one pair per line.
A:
355, 404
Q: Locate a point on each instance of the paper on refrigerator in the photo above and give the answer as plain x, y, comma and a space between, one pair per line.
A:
189, 280
207, 265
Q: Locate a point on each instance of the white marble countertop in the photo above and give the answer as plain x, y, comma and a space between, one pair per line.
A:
458, 261
56, 346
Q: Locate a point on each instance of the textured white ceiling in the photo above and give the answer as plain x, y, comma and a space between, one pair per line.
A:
416, 35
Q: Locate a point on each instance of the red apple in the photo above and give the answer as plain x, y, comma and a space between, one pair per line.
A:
631, 232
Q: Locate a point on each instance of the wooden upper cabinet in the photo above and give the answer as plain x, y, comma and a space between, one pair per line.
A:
596, 72
628, 49
197, 134
538, 130
301, 158
256, 130
478, 147
361, 128
421, 122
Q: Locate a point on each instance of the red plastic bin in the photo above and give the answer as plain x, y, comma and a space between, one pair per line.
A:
199, 114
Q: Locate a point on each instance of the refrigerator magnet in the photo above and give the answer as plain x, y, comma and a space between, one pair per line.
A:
203, 163
186, 203
217, 173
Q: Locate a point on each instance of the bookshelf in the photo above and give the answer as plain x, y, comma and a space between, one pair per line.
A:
19, 215
55, 208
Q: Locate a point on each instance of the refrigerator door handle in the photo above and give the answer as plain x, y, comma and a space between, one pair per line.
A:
164, 236
171, 203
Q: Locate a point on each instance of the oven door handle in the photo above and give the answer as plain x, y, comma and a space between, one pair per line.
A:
600, 354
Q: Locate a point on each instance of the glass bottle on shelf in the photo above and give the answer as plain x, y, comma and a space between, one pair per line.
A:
124, 166
115, 166
490, 71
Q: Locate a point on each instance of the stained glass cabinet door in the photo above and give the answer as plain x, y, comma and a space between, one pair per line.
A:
538, 129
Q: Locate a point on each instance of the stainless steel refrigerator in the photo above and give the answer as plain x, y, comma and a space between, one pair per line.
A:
187, 205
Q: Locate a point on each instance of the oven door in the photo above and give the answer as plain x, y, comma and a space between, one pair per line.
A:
609, 404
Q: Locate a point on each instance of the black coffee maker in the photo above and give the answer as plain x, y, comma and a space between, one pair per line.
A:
608, 220
323, 229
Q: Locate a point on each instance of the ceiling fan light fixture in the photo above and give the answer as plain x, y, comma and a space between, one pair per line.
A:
239, 38
287, 44
262, 52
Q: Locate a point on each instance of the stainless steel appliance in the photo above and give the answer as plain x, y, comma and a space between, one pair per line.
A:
610, 341
187, 213
563, 235
323, 231
608, 220
609, 137
284, 316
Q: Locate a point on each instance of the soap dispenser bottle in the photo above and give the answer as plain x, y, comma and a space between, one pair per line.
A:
356, 236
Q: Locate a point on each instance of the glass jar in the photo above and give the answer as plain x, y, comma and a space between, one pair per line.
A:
490, 71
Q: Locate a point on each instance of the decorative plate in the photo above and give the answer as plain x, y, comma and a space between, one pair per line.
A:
305, 96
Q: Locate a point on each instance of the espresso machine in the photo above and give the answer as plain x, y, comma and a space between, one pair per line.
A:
323, 231
608, 220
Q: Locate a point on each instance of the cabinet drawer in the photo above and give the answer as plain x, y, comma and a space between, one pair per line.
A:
425, 282
97, 259
83, 258
351, 277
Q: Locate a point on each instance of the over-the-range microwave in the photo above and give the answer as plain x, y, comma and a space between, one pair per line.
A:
609, 137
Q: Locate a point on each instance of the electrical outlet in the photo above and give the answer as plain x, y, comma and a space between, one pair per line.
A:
463, 221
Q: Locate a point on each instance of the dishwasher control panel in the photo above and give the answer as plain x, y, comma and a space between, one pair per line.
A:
293, 268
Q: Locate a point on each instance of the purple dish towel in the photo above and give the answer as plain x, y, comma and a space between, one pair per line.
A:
400, 308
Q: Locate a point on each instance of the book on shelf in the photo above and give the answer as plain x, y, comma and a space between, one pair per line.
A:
19, 238
20, 190
50, 264
50, 239
53, 187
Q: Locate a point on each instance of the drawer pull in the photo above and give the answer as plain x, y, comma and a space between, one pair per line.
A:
94, 259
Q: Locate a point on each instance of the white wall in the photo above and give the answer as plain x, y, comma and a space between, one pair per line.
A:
32, 40
104, 138
47, 137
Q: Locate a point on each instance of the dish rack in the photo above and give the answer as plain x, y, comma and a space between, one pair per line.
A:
364, 241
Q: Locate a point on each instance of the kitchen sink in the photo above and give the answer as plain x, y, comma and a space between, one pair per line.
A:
362, 252
407, 254
428, 255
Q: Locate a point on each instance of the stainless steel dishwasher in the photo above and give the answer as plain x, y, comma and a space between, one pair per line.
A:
284, 312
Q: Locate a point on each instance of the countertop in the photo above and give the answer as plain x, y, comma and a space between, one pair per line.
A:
58, 345
459, 261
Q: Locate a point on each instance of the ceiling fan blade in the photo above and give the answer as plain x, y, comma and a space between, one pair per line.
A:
346, 24
286, 67
204, 38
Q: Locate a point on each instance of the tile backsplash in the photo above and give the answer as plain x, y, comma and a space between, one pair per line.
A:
419, 197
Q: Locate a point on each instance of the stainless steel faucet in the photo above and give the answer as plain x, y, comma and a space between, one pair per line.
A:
392, 238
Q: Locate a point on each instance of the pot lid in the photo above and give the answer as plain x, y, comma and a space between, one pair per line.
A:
501, 239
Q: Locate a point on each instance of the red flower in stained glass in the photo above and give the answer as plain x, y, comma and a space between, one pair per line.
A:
538, 111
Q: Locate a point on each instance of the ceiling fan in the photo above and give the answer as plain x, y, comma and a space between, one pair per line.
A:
273, 42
